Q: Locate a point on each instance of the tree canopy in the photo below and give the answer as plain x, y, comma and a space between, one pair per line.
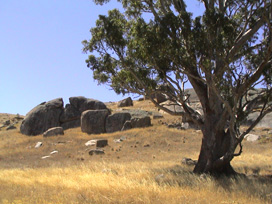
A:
157, 46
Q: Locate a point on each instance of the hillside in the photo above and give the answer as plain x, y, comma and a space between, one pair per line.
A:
146, 167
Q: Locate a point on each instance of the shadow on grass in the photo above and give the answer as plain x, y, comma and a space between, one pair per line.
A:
258, 186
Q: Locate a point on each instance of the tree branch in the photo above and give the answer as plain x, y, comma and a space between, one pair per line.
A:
259, 118
239, 42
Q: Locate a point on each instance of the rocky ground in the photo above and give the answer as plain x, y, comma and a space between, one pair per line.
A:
166, 139
140, 165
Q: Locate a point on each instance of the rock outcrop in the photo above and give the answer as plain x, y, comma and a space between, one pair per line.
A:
70, 118
53, 114
82, 104
93, 121
141, 122
125, 102
42, 117
116, 121
265, 122
91, 115
127, 125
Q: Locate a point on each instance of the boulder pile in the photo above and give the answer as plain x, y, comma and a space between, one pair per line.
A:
91, 115
96, 122
52, 114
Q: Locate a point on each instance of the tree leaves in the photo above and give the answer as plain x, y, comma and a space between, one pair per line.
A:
159, 42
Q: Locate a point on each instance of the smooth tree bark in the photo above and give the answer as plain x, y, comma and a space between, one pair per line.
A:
158, 47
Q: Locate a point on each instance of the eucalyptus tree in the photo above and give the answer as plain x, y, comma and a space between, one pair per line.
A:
223, 54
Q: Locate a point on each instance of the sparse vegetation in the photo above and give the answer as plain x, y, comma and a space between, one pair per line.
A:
145, 168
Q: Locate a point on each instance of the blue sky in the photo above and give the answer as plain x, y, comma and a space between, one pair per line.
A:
41, 52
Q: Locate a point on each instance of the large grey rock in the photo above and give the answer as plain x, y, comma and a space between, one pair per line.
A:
137, 113
125, 102
141, 122
265, 122
93, 121
70, 113
42, 117
160, 98
53, 132
52, 114
82, 104
116, 121
127, 126
70, 118
71, 124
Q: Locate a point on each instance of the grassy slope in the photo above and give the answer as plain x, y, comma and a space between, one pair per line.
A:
145, 168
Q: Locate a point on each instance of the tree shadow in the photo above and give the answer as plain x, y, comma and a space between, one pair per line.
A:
259, 186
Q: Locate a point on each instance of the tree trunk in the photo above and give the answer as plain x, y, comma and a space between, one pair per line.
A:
215, 144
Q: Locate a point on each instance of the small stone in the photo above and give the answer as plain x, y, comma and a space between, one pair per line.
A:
11, 127
252, 137
54, 152
45, 157
147, 145
157, 116
185, 126
101, 143
117, 141
96, 151
90, 143
188, 161
159, 177
6, 123
122, 138
97, 142
38, 145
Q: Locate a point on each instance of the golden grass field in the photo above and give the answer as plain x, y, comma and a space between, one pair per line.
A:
145, 168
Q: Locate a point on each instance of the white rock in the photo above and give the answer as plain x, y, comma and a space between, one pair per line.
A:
45, 157
54, 152
38, 145
117, 140
252, 137
53, 132
90, 143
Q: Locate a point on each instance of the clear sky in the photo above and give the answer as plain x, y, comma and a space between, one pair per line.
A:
41, 52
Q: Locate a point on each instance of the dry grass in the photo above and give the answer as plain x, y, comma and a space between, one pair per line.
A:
135, 182
145, 168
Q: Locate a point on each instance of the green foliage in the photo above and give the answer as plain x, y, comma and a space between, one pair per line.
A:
156, 46
155, 43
